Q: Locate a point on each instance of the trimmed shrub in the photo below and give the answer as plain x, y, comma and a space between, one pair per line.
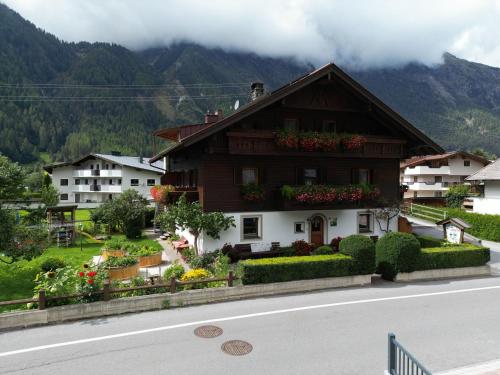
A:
486, 227
302, 248
396, 252
52, 264
323, 250
270, 270
335, 243
428, 241
362, 251
464, 255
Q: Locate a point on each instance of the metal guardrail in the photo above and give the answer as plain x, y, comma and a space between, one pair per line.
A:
401, 362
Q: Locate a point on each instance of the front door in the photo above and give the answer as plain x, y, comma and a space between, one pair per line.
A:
77, 198
317, 231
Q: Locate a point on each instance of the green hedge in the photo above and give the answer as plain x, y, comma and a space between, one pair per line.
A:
428, 241
465, 255
270, 270
486, 227
362, 251
396, 252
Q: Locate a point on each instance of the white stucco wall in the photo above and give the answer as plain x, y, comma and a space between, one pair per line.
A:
278, 226
490, 204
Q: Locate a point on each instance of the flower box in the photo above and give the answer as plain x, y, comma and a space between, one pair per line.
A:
106, 253
123, 273
150, 260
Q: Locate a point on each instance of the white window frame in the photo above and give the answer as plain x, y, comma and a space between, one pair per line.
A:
62, 195
302, 223
370, 222
151, 179
134, 179
259, 228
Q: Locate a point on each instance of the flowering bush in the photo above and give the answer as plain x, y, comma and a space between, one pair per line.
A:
287, 139
196, 274
252, 192
90, 280
353, 142
316, 194
160, 192
301, 248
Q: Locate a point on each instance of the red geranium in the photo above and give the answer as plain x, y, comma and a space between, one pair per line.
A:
90, 281
81, 274
353, 142
91, 274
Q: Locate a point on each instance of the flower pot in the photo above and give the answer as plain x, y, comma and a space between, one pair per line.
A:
112, 253
150, 260
123, 273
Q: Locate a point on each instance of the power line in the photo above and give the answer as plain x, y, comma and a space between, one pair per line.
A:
123, 87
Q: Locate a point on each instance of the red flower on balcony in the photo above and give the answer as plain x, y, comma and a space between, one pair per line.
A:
253, 192
287, 139
353, 142
160, 192
310, 141
315, 194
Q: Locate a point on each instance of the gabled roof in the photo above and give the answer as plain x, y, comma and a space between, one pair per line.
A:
456, 221
266, 100
489, 173
419, 160
126, 161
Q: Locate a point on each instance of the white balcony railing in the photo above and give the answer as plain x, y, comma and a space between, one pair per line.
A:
429, 186
97, 189
97, 173
423, 169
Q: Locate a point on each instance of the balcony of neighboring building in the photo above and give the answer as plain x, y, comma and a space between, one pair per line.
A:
97, 188
427, 170
428, 186
97, 173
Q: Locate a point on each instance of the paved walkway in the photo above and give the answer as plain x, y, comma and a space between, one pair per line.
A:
487, 368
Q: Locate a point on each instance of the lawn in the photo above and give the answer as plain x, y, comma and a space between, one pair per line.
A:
17, 279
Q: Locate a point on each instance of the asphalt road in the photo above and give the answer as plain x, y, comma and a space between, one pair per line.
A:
445, 324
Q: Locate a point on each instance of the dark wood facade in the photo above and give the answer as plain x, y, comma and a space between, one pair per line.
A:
209, 162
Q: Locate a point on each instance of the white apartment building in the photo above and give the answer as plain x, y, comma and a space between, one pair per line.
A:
97, 178
488, 178
429, 177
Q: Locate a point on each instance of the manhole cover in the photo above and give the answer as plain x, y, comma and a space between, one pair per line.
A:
208, 332
236, 347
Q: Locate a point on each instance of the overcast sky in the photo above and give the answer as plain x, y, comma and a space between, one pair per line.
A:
361, 33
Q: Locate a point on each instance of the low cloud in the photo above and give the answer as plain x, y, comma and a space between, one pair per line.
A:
360, 34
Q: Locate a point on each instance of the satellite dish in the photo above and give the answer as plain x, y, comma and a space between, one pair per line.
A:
236, 105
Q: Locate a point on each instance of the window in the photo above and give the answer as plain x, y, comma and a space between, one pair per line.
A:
249, 175
466, 163
119, 181
64, 182
106, 166
110, 181
311, 176
91, 166
290, 124
361, 176
438, 194
415, 179
299, 227
151, 182
77, 181
251, 227
63, 197
86, 181
415, 194
365, 222
438, 179
329, 126
113, 166
134, 182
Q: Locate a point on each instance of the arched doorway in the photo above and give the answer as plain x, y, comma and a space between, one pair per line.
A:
317, 230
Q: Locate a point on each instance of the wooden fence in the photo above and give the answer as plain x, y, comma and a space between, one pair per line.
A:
107, 291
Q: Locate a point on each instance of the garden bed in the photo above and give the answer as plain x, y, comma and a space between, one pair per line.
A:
150, 260
123, 273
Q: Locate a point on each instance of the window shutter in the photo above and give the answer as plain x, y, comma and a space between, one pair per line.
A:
354, 176
323, 176
299, 176
237, 176
262, 175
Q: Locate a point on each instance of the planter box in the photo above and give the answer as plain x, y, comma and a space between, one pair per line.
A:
112, 253
443, 273
123, 273
150, 260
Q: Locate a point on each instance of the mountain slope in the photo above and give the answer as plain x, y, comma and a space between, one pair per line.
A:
130, 94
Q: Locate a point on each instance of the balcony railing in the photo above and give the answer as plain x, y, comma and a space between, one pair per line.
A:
264, 143
97, 173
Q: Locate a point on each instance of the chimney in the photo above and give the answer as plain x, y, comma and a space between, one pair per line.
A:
220, 114
210, 117
256, 90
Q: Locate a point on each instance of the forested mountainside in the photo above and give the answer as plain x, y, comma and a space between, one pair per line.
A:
61, 100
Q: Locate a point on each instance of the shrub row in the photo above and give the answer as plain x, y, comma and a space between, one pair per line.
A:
465, 255
270, 270
428, 241
486, 227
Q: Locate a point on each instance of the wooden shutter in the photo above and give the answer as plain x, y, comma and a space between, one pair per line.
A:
238, 180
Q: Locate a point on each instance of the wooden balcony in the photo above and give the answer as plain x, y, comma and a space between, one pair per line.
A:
192, 194
263, 143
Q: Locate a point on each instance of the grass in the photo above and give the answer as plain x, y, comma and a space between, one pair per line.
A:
17, 279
